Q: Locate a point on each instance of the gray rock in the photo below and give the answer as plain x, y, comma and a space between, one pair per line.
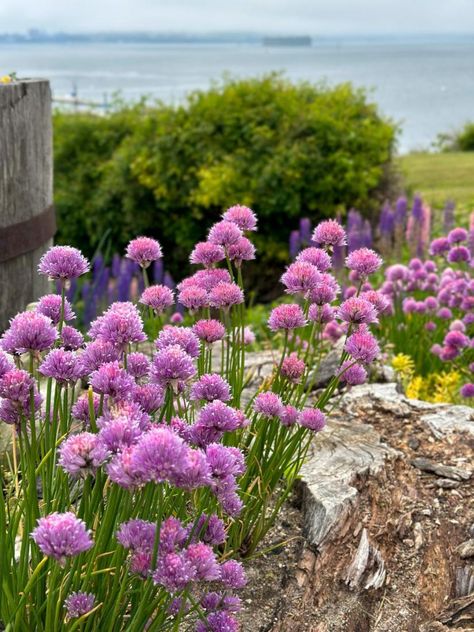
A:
444, 471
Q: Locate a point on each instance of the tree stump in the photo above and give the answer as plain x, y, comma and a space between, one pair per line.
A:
27, 221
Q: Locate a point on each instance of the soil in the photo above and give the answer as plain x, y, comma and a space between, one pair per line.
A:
415, 521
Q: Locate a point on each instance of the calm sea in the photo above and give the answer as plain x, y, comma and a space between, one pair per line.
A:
426, 86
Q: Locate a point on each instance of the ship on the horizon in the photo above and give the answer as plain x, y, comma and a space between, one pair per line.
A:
289, 40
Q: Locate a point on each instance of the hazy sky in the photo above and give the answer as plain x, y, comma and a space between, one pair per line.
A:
285, 16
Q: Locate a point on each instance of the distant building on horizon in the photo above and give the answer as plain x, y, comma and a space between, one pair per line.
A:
289, 40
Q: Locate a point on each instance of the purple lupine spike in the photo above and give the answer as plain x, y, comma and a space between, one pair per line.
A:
354, 220
71, 291
98, 264
158, 272
123, 282
168, 281
401, 211
338, 257
417, 208
305, 231
295, 243
367, 234
387, 221
448, 216
116, 265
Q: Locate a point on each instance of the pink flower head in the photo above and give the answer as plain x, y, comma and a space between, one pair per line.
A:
81, 411
206, 279
172, 365
292, 368
193, 297
249, 336
81, 454
110, 379
286, 316
456, 339
209, 387
207, 254
79, 603
150, 397
329, 234
321, 313
318, 257
209, 330
17, 385
138, 365
300, 277
457, 235
243, 216
233, 575
352, 373
29, 331
439, 246
242, 250
357, 310
50, 306
62, 535
378, 300
158, 297
5, 364
176, 318
325, 290
268, 404
144, 250
224, 234
362, 346
71, 338
459, 254
364, 261
63, 262
312, 418
467, 390
95, 354
397, 272
159, 456
225, 295
289, 415
182, 336
61, 365
121, 325
218, 621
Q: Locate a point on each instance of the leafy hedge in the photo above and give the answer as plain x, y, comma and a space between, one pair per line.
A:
284, 149
462, 140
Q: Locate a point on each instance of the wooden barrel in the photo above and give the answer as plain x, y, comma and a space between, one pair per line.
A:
27, 220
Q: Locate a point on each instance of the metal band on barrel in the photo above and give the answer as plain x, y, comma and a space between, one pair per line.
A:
28, 235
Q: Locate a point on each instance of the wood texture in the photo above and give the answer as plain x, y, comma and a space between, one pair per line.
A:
26, 184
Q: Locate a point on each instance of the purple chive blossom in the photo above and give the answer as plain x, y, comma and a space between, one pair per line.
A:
218, 622
139, 535
71, 338
62, 535
287, 317
225, 295
172, 365
81, 454
184, 337
209, 529
97, 353
216, 602
119, 432
312, 418
268, 404
17, 385
457, 235
50, 306
207, 254
193, 298
121, 325
362, 346
357, 310
300, 277
243, 216
122, 471
110, 379
79, 603
352, 373
459, 254
80, 410
29, 331
176, 318
138, 365
318, 257
439, 246
224, 234
150, 397
174, 572
249, 336
5, 364
233, 575
209, 331
329, 234
325, 290
158, 297
209, 387
467, 390
456, 339
203, 558
397, 272
289, 415
242, 250
378, 300
363, 261
160, 455
63, 262
195, 471
292, 368
321, 313
144, 250
213, 420
61, 365
172, 535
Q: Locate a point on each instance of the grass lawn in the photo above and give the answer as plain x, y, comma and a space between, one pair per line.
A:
438, 177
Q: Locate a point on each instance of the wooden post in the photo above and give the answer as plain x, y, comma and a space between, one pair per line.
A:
27, 221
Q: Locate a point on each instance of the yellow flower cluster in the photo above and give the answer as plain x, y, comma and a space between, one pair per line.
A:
6, 79
436, 387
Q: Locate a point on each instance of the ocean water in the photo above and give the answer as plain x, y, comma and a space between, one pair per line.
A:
427, 86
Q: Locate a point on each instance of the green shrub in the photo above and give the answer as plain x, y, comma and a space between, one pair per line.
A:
462, 140
286, 150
